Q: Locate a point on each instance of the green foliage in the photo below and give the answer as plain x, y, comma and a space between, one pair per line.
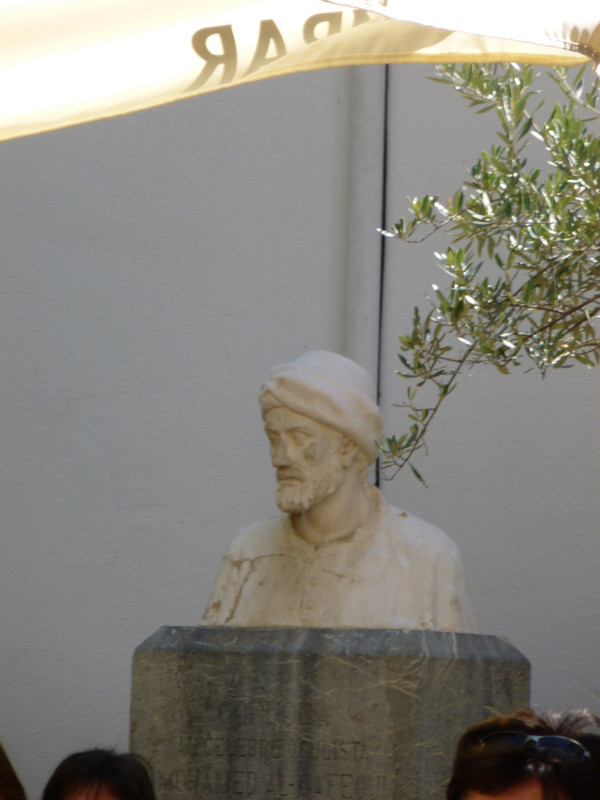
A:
524, 256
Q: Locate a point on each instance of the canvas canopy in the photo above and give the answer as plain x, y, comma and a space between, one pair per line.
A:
64, 62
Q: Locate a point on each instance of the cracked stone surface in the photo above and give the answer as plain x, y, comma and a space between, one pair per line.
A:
397, 571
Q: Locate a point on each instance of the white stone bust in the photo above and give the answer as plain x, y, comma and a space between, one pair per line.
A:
339, 555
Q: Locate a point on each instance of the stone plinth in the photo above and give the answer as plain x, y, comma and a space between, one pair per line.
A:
313, 714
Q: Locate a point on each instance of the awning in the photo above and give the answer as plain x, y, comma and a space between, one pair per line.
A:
64, 62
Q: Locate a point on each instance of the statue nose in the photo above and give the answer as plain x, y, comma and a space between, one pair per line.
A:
280, 454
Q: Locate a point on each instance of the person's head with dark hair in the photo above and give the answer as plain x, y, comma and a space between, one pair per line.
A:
10, 785
528, 756
100, 775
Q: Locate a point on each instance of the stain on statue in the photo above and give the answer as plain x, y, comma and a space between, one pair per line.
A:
338, 555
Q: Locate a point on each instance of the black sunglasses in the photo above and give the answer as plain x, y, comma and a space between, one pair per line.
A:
555, 749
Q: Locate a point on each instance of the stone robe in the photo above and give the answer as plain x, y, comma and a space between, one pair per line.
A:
395, 571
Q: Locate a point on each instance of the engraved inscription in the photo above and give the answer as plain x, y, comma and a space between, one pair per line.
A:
211, 744
265, 749
207, 782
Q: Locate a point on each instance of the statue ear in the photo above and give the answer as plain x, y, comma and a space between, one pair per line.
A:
349, 452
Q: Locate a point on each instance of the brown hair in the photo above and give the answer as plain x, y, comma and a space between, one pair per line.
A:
10, 785
124, 775
495, 764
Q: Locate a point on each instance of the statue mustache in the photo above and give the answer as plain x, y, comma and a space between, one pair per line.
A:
289, 473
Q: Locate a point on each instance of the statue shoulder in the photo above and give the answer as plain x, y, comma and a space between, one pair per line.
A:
421, 533
260, 538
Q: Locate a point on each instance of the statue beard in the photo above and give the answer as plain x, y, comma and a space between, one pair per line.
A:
308, 487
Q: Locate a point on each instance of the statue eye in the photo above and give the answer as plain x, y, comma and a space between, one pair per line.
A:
299, 437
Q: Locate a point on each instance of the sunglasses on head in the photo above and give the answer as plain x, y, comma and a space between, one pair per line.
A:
555, 749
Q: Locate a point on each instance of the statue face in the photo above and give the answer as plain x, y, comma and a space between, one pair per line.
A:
306, 456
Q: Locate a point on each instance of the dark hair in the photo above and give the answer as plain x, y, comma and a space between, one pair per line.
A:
10, 785
492, 764
124, 775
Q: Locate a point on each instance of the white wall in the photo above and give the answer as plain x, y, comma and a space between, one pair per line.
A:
153, 268
513, 461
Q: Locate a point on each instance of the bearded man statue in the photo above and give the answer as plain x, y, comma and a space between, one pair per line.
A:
338, 555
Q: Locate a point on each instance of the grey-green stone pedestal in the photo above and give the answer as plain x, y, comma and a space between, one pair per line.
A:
313, 714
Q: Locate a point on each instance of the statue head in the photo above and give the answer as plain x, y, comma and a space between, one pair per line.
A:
322, 421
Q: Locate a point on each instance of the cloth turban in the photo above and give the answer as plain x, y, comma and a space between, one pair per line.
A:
330, 389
